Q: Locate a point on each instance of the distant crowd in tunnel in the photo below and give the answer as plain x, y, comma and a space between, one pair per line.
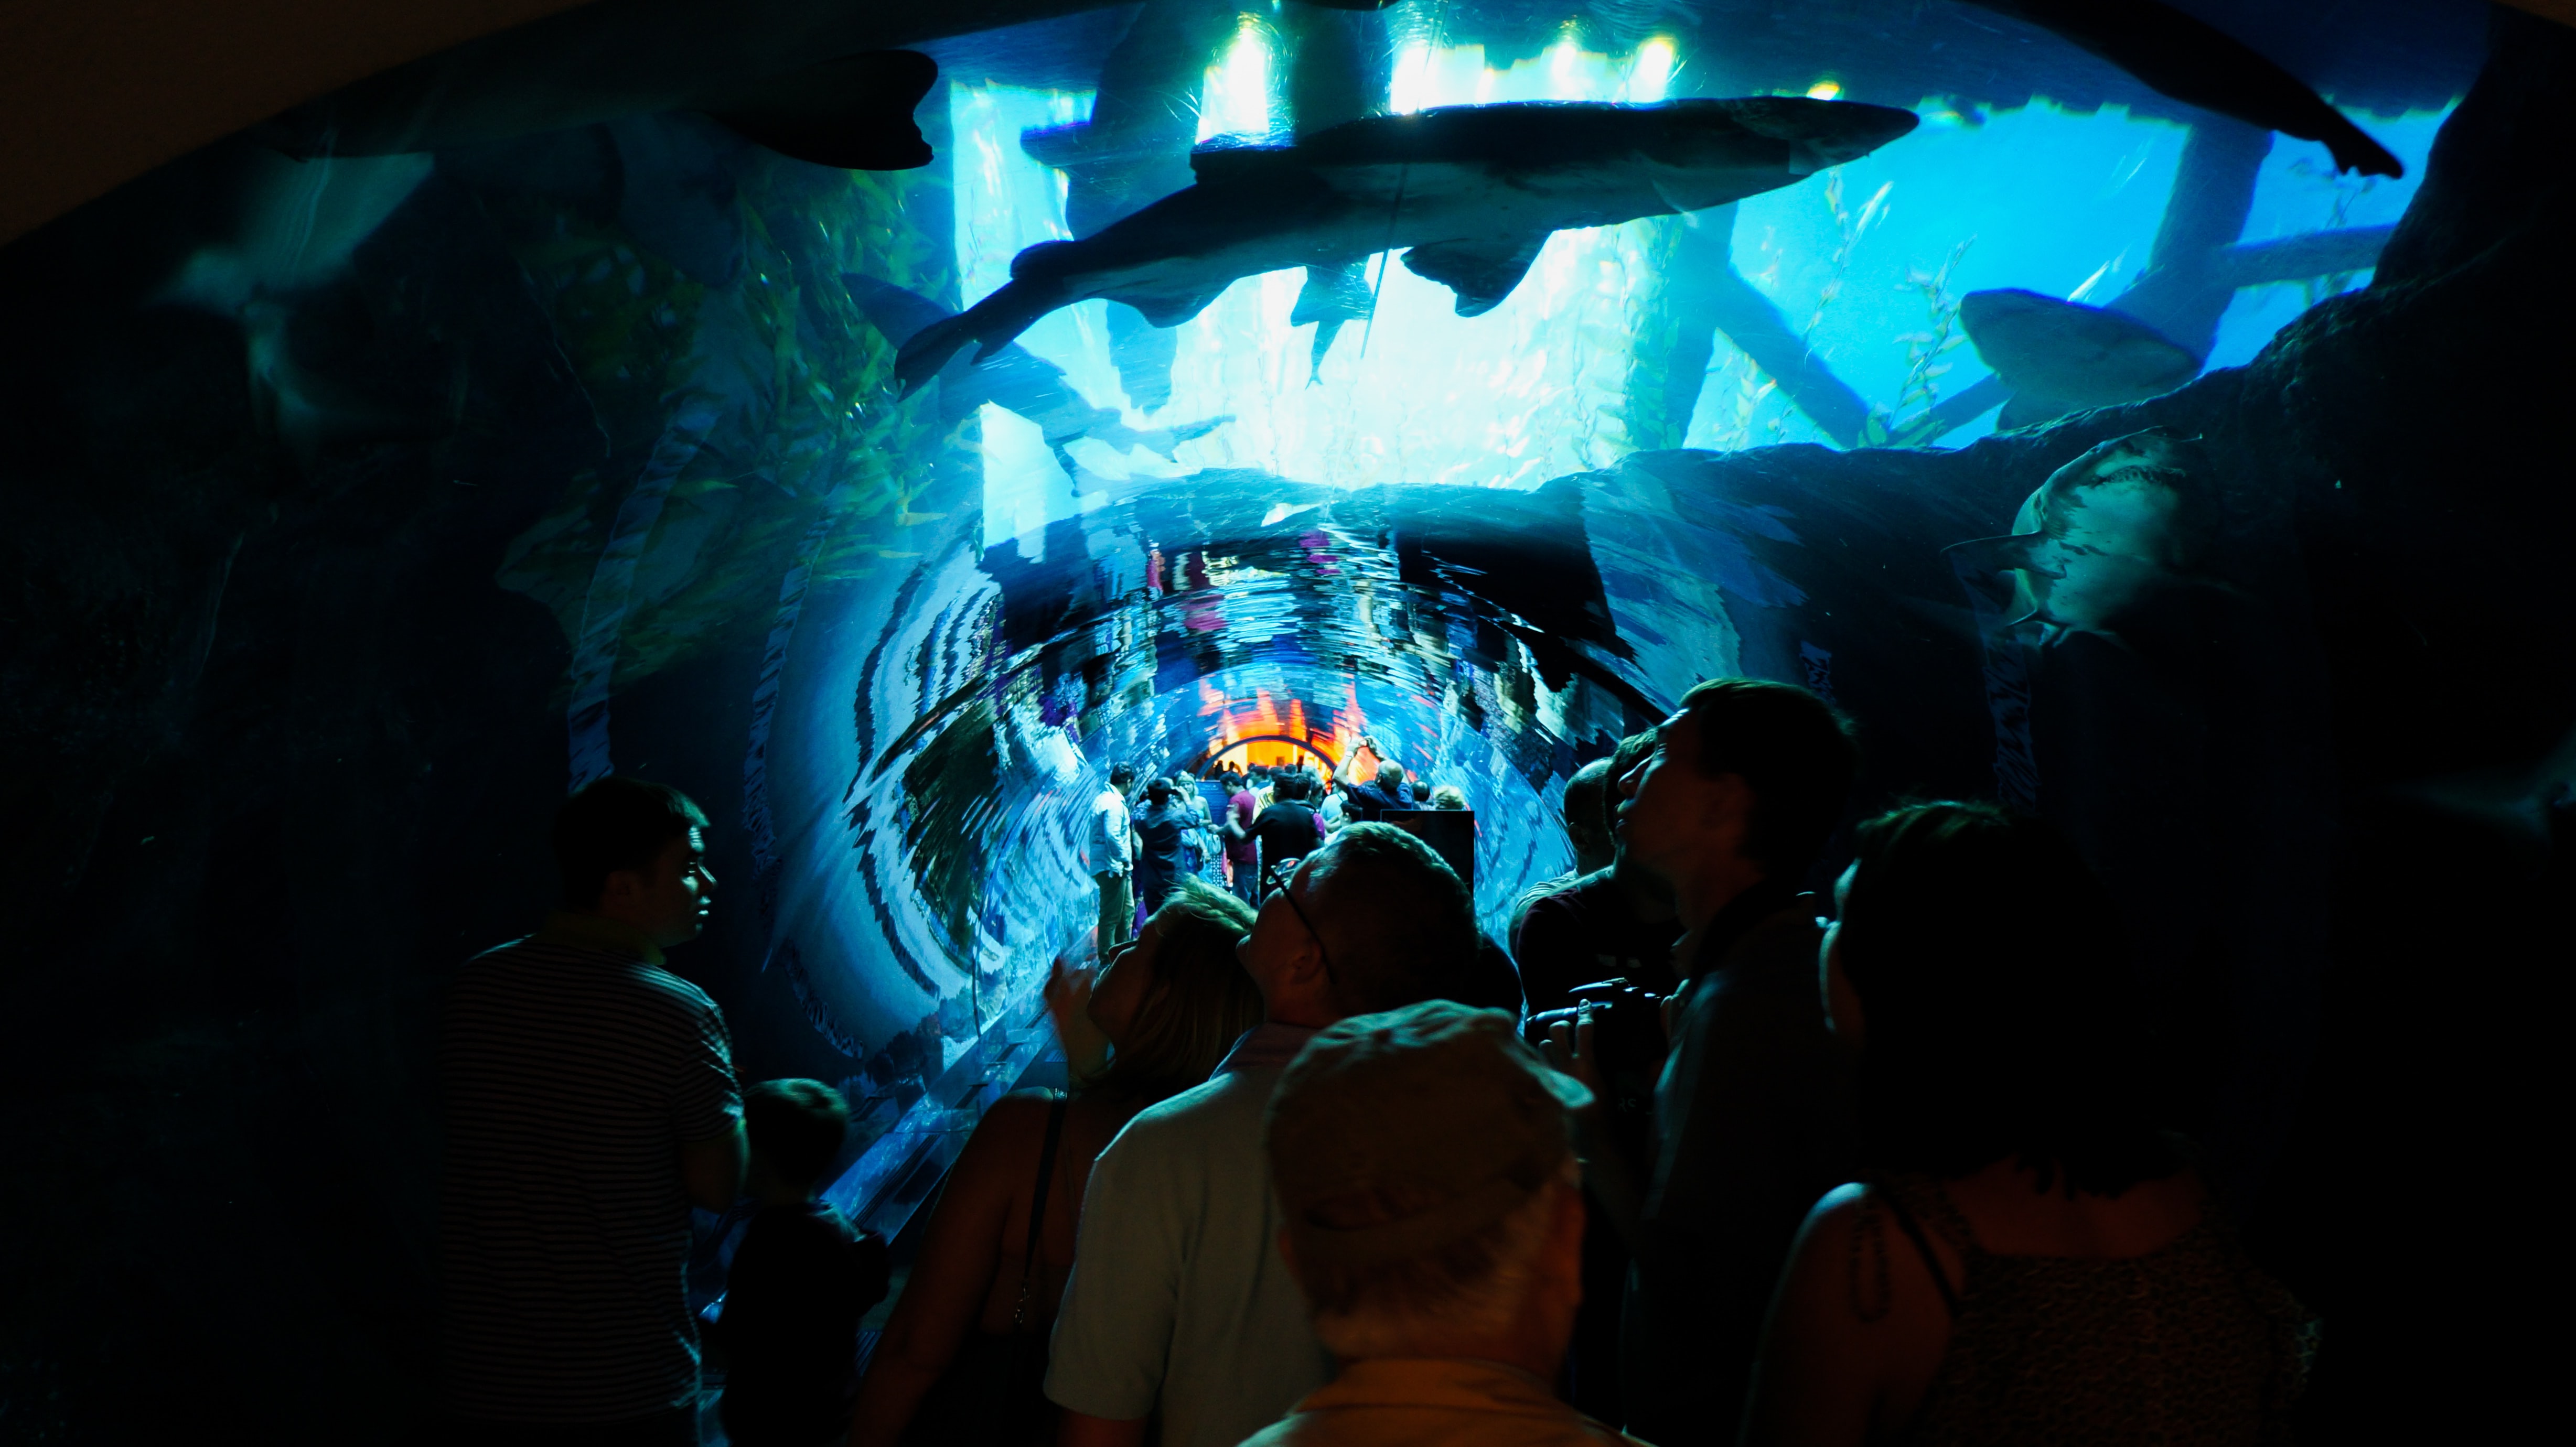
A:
1704, 1157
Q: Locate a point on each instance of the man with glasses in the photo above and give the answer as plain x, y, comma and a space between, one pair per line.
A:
1180, 1306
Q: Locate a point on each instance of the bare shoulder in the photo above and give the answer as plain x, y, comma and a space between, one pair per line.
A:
1008, 1134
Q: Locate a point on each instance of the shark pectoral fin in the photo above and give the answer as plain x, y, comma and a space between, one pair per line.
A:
1992, 555
2029, 409
1332, 294
1170, 309
1481, 272
854, 113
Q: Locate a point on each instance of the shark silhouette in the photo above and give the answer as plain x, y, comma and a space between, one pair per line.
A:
1468, 193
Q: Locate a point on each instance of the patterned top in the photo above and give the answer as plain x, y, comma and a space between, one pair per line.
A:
576, 1068
2187, 1344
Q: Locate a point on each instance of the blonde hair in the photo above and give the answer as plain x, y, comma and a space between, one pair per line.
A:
1474, 1287
1199, 1002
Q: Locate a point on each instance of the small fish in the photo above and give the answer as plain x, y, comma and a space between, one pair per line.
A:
2199, 64
2063, 356
1468, 193
2128, 517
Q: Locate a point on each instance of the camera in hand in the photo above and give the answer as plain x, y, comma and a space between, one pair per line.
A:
1628, 1043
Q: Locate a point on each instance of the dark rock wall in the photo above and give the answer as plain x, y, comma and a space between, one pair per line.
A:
277, 751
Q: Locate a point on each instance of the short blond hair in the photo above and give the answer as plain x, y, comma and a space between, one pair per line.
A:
1472, 1287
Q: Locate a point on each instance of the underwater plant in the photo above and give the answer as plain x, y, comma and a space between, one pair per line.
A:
1924, 350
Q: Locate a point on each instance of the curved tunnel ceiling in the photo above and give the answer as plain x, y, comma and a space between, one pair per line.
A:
665, 355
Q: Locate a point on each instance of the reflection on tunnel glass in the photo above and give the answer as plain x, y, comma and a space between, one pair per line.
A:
1011, 475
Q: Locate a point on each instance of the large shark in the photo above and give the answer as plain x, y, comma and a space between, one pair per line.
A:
1468, 193
2195, 61
2063, 356
2130, 516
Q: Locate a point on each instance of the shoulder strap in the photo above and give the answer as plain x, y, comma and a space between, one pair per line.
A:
1913, 1230
1037, 1211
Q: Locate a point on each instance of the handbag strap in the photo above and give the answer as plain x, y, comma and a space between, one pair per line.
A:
1913, 1230
1037, 1212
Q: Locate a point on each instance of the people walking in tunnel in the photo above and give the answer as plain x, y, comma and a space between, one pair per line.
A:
1242, 846
2032, 1258
1180, 1309
1425, 1164
964, 1352
1110, 850
1163, 830
1741, 791
800, 1279
591, 1102
1287, 830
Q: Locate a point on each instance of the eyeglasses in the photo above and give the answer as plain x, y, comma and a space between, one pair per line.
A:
1299, 910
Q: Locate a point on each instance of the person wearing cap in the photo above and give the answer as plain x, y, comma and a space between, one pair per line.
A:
1433, 1216
1111, 849
1180, 1311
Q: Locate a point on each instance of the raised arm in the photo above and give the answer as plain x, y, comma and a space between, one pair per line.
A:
953, 1276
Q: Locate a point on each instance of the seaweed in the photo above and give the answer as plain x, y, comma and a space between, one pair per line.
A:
808, 429
1912, 419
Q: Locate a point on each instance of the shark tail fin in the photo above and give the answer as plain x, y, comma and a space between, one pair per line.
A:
992, 323
854, 112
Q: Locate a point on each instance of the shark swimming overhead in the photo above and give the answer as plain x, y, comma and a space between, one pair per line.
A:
2063, 356
1468, 193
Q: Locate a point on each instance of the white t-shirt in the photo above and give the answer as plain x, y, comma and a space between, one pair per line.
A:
1109, 849
1179, 1298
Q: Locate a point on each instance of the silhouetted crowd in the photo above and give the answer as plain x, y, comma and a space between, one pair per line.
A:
1739, 1163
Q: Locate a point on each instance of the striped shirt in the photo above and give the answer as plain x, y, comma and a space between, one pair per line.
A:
576, 1068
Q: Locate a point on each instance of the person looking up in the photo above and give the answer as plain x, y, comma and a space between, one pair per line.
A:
1180, 1308
1336, 808
2034, 1259
1287, 830
1615, 926
1163, 829
1370, 800
800, 1279
1584, 811
1110, 848
591, 1102
1740, 793
1617, 923
964, 1352
1448, 796
1426, 1173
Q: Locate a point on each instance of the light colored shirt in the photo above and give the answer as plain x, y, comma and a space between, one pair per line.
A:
1109, 848
1423, 1402
1179, 1298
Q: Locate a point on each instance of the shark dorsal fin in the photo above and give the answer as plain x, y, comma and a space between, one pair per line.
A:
1481, 272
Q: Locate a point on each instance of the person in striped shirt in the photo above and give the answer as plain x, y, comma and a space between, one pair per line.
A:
591, 1101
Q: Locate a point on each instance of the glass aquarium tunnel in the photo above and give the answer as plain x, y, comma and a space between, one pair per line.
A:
415, 427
